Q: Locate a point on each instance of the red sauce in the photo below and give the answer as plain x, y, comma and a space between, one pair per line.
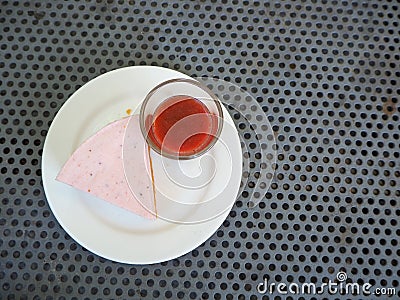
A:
182, 125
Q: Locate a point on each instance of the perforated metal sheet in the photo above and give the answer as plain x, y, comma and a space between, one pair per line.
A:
326, 74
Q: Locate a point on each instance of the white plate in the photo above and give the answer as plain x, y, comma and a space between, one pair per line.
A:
102, 228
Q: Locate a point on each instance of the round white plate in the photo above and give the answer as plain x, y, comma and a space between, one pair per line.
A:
102, 228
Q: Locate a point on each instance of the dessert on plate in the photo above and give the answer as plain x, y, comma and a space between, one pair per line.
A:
97, 168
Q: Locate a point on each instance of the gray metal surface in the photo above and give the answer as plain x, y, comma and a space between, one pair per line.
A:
326, 74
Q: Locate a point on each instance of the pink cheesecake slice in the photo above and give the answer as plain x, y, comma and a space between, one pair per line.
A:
96, 167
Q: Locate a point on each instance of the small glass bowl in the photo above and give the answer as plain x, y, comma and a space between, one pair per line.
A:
180, 87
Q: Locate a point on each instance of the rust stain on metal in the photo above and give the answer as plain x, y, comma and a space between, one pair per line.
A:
389, 107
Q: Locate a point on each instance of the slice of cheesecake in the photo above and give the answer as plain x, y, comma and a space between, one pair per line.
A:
97, 167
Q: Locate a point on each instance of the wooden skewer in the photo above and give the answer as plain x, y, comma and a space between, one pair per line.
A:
152, 180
